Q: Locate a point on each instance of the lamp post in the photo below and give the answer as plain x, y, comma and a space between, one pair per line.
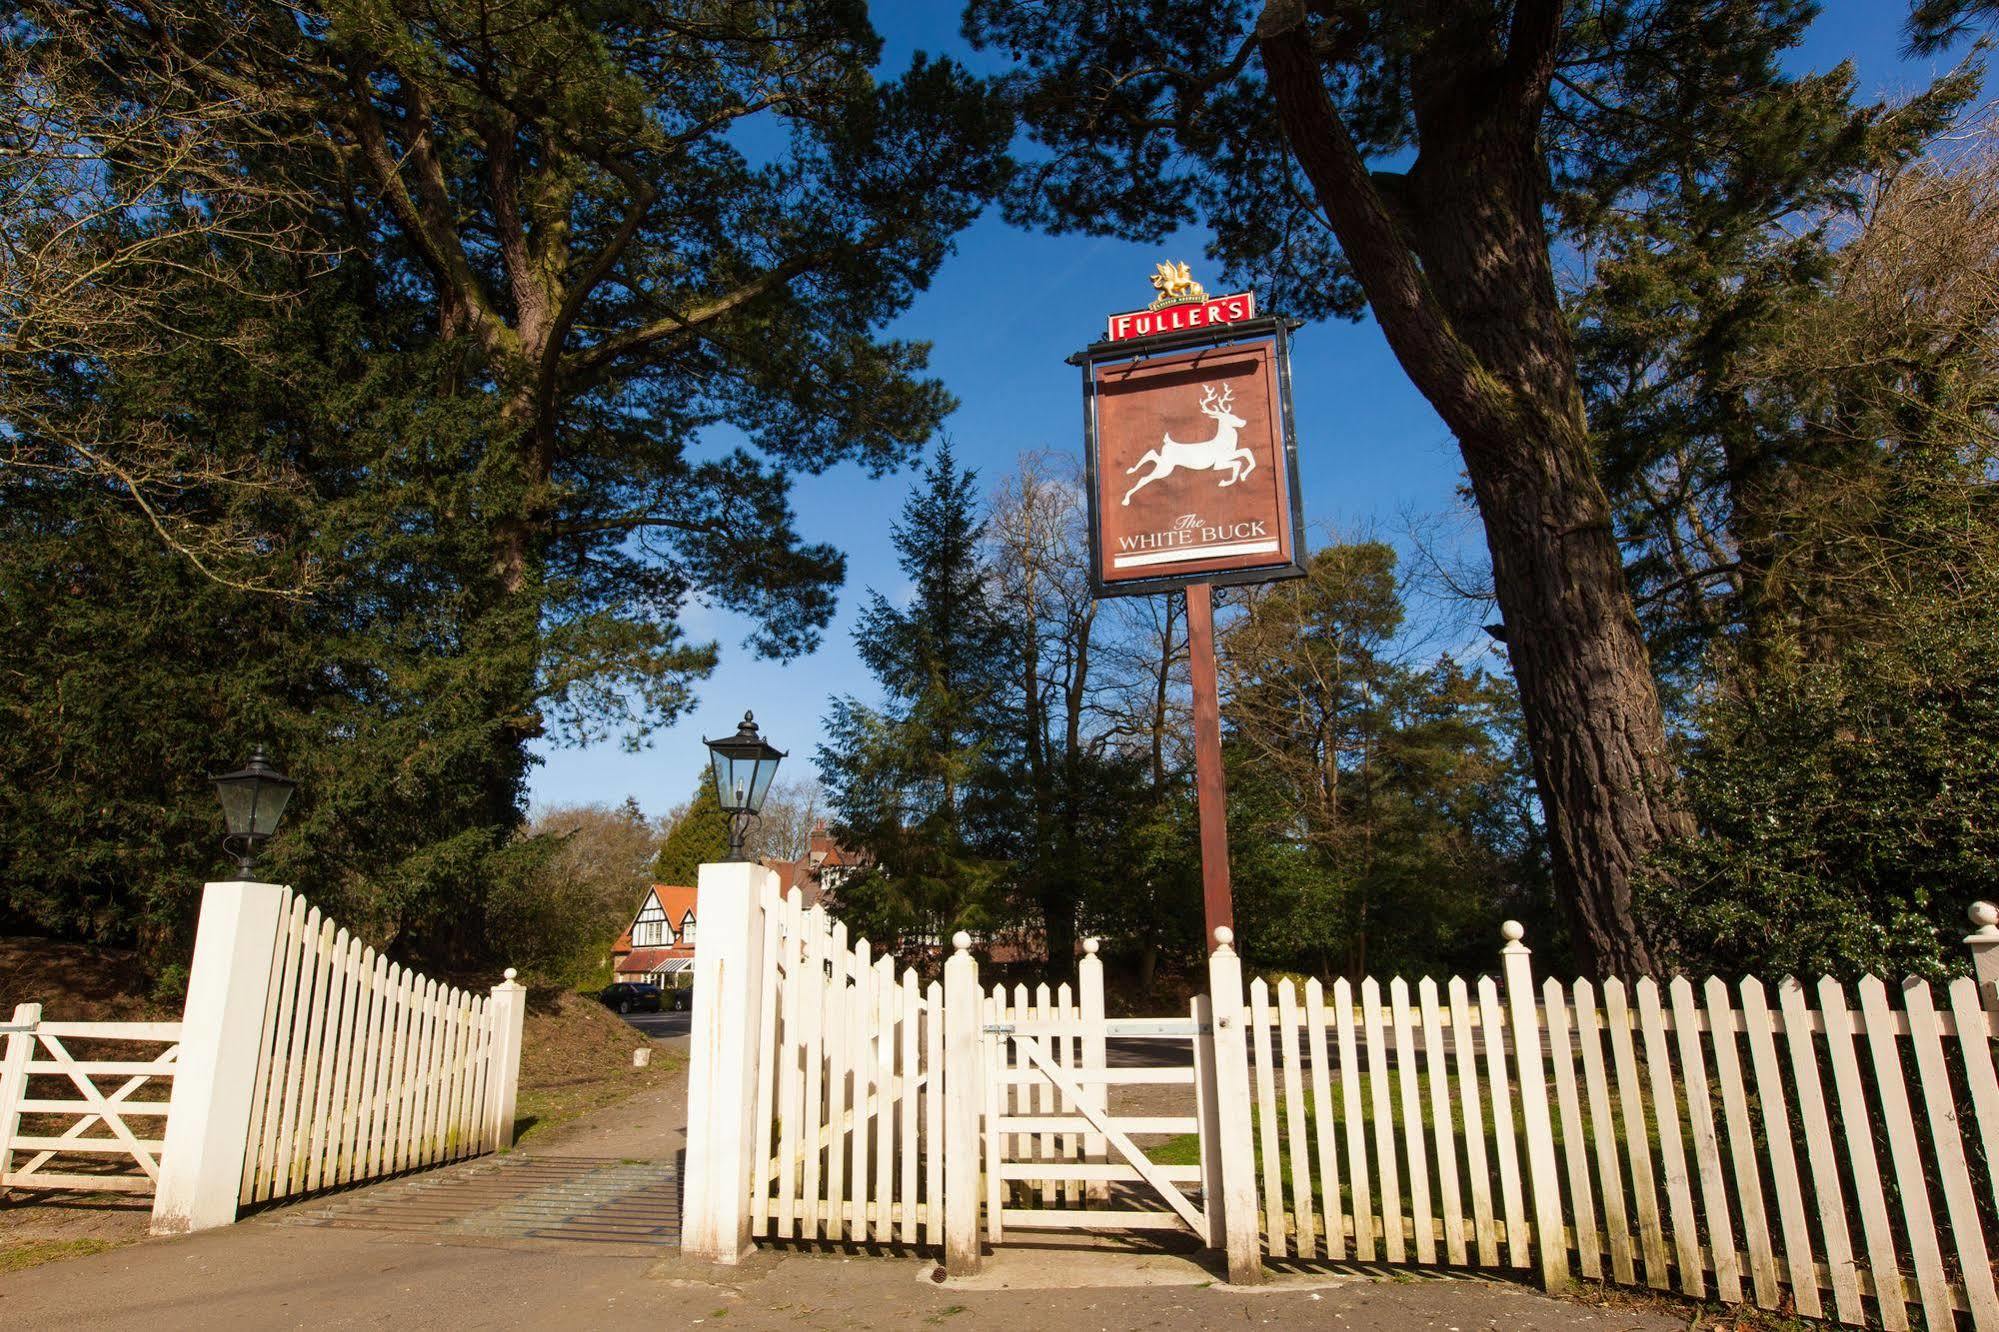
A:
743, 765
253, 800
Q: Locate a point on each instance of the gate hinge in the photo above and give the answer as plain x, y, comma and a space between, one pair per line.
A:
999, 1029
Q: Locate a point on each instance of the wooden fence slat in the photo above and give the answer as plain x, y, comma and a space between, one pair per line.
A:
1707, 1143
910, 1086
1582, 1198
333, 1062
812, 1126
839, 1017
345, 1063
1603, 1132
1408, 1075
885, 1107
790, 1081
1819, 1150
268, 1037
286, 1036
397, 1127
355, 1085
314, 969
1911, 1179
1387, 1168
770, 914
1358, 1177
996, 1050
1063, 1048
1967, 1232
368, 1129
1323, 1123
1499, 1083
1636, 1142
1785, 1183
1672, 1149
1883, 1267
1741, 1142
861, 1034
1039, 1006
1297, 1116
1485, 1235
933, 1115
1437, 1061
1266, 1118
1967, 1008
482, 1030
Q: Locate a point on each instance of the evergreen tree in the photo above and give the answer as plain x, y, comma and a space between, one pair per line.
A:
540, 266
914, 781
1427, 159
700, 836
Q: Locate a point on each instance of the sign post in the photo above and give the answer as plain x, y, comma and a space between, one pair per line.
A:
1192, 477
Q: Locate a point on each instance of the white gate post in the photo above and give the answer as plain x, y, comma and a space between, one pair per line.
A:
1238, 1155
20, 1049
1551, 1246
964, 1092
1090, 1004
215, 1074
722, 1067
1984, 945
507, 1013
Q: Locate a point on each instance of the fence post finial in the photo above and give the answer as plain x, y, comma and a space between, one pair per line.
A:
507, 1011
1524, 1023
1230, 1044
964, 1097
1983, 941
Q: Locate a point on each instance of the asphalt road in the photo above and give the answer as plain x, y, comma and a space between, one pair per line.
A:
660, 1026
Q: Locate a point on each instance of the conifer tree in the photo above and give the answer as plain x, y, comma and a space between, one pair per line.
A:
699, 837
912, 780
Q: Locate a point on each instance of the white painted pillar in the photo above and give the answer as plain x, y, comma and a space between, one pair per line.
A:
1983, 941
508, 1013
215, 1074
722, 1067
964, 1094
1551, 1246
1232, 1115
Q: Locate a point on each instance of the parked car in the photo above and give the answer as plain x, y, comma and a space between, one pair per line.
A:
631, 997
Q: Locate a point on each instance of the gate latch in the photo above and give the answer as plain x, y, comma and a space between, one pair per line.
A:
1000, 1029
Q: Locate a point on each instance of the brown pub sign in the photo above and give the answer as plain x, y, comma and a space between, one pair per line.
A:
1191, 461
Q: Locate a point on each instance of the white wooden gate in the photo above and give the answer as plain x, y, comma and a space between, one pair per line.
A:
1057, 1157
83, 1104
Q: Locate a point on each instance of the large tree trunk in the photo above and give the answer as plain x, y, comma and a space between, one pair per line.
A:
1454, 259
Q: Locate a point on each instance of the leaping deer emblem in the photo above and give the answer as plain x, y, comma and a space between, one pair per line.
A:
1210, 455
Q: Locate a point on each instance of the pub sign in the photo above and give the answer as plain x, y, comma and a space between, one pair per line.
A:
1191, 462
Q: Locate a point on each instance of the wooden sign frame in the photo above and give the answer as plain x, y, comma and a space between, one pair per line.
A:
1271, 331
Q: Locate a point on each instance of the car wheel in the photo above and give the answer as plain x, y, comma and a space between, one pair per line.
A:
624, 1005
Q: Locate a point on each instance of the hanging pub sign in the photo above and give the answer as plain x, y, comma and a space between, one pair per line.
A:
1191, 463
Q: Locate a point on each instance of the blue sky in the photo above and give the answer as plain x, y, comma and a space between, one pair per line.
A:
1002, 314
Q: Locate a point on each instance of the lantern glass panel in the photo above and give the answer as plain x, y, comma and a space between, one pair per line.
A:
268, 806
239, 804
765, 770
730, 789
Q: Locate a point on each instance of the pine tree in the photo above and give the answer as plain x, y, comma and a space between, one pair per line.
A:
913, 781
1425, 161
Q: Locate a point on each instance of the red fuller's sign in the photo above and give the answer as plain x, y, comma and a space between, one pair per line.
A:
1191, 469
1183, 304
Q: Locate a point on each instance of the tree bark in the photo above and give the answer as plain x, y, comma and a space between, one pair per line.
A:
1454, 259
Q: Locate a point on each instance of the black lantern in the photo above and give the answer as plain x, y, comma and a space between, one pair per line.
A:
253, 800
743, 763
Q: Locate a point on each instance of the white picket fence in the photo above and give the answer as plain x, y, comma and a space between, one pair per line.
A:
1795, 1148
365, 1069
853, 1139
303, 1061
1796, 1155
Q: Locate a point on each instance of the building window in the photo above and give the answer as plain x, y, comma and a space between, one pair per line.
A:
687, 931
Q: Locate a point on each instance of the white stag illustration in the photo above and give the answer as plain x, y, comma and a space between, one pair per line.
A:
1210, 455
